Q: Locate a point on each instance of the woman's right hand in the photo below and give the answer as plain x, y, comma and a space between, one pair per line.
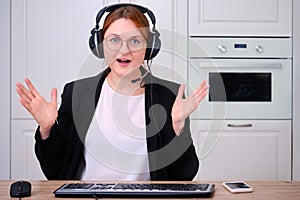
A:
44, 113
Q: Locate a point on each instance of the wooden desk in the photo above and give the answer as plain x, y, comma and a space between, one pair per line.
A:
43, 190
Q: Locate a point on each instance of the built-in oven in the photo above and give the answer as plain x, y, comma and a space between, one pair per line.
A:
249, 78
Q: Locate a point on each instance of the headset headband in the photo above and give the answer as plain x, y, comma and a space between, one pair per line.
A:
116, 6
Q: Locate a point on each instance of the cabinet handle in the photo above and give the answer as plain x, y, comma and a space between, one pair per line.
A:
239, 125
239, 65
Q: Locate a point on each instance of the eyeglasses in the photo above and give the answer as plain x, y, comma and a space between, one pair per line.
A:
133, 44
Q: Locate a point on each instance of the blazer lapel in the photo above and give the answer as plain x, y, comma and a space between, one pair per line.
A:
86, 94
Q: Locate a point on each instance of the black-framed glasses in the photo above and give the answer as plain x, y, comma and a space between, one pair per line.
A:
133, 44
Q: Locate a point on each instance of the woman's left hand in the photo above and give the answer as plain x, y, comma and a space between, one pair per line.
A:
182, 108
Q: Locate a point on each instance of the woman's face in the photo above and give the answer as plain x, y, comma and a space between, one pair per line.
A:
124, 48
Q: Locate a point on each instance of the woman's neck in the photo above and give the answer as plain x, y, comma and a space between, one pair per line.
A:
124, 85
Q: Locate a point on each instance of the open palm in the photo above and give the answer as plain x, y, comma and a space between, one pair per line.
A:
183, 107
44, 113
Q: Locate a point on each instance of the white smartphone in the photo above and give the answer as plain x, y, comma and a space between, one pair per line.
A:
237, 187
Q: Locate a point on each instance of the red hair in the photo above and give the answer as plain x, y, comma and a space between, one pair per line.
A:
128, 12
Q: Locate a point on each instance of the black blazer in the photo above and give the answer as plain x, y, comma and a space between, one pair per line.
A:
170, 157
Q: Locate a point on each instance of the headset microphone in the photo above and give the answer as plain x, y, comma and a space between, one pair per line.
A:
140, 78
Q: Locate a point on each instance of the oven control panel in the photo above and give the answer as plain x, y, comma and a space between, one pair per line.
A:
200, 47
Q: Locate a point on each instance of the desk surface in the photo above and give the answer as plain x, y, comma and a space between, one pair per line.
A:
43, 190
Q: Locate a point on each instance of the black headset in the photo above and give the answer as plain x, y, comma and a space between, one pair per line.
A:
96, 38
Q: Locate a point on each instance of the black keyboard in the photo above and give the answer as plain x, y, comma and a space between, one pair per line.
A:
135, 190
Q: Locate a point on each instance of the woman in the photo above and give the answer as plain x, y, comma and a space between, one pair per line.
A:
92, 136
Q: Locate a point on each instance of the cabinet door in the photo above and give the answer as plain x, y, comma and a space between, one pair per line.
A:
240, 17
243, 150
24, 164
171, 18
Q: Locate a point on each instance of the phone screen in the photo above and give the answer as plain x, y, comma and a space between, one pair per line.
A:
237, 185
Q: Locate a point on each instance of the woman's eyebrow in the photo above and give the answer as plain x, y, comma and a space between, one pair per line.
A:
131, 36
113, 34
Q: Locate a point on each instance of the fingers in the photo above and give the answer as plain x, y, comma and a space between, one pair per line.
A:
27, 96
23, 91
24, 94
54, 96
181, 91
203, 86
201, 91
24, 99
32, 89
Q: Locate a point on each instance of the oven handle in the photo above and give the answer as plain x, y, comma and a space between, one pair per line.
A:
241, 64
239, 125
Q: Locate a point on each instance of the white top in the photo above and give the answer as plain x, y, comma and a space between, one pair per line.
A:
115, 144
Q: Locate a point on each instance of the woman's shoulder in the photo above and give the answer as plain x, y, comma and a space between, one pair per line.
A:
82, 81
85, 82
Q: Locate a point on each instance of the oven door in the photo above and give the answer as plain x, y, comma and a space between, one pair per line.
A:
243, 88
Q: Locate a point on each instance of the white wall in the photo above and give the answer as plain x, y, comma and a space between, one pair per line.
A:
5, 89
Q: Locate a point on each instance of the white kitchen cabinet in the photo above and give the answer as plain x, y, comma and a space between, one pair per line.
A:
296, 91
49, 45
240, 17
229, 151
24, 164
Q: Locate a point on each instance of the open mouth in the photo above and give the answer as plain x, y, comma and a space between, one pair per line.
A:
123, 61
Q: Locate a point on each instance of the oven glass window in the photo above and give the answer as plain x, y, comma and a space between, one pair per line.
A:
240, 87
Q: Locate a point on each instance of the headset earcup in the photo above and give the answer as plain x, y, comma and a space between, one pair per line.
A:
95, 43
153, 46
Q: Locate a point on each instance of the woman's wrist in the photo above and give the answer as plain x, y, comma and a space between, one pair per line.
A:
178, 126
45, 131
